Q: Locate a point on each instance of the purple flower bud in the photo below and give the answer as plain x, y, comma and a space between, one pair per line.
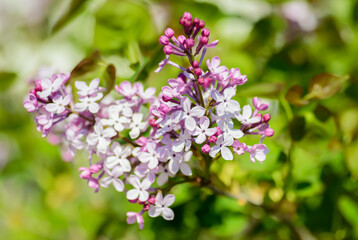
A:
212, 139
164, 109
152, 123
168, 50
269, 132
196, 21
33, 91
198, 71
95, 168
195, 64
181, 21
205, 32
164, 40
146, 207
133, 201
218, 131
38, 86
201, 24
187, 15
206, 148
151, 200
85, 174
189, 43
141, 203
201, 81
187, 23
181, 39
169, 32
266, 117
204, 40
93, 183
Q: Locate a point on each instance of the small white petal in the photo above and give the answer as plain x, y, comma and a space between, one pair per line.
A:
132, 194
167, 214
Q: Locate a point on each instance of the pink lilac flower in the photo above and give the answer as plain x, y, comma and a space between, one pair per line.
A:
100, 137
59, 104
189, 113
203, 130
133, 217
119, 158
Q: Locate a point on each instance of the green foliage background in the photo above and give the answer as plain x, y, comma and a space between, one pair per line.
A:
306, 188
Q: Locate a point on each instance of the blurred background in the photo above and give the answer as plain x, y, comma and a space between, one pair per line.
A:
305, 189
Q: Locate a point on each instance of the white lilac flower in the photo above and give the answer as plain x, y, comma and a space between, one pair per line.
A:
142, 171
174, 161
246, 116
136, 125
49, 86
225, 104
59, 104
203, 130
229, 131
183, 166
140, 188
74, 140
151, 157
183, 142
221, 146
161, 206
113, 178
115, 120
120, 157
100, 137
189, 113
89, 103
164, 175
87, 91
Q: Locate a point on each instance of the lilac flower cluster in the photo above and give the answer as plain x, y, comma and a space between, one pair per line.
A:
142, 140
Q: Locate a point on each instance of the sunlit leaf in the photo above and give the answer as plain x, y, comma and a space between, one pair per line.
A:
349, 210
72, 11
351, 159
325, 85
294, 96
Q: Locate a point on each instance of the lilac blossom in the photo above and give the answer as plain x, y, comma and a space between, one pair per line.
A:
161, 206
140, 188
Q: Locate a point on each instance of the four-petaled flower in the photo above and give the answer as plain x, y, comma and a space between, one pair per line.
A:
140, 188
136, 125
221, 146
113, 178
203, 130
161, 206
225, 104
100, 137
189, 113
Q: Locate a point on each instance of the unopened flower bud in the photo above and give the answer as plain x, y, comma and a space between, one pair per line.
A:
33, 91
133, 201
266, 117
205, 32
151, 200
93, 183
142, 140
181, 21
212, 139
146, 207
164, 40
189, 43
38, 86
141, 203
181, 39
86, 174
218, 132
187, 15
269, 132
196, 21
195, 64
152, 122
206, 148
201, 81
187, 23
204, 40
168, 50
201, 24
198, 71
169, 32
95, 168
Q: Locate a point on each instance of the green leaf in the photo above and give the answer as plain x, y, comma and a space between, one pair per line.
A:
325, 85
351, 159
109, 78
72, 11
294, 96
6, 79
297, 128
